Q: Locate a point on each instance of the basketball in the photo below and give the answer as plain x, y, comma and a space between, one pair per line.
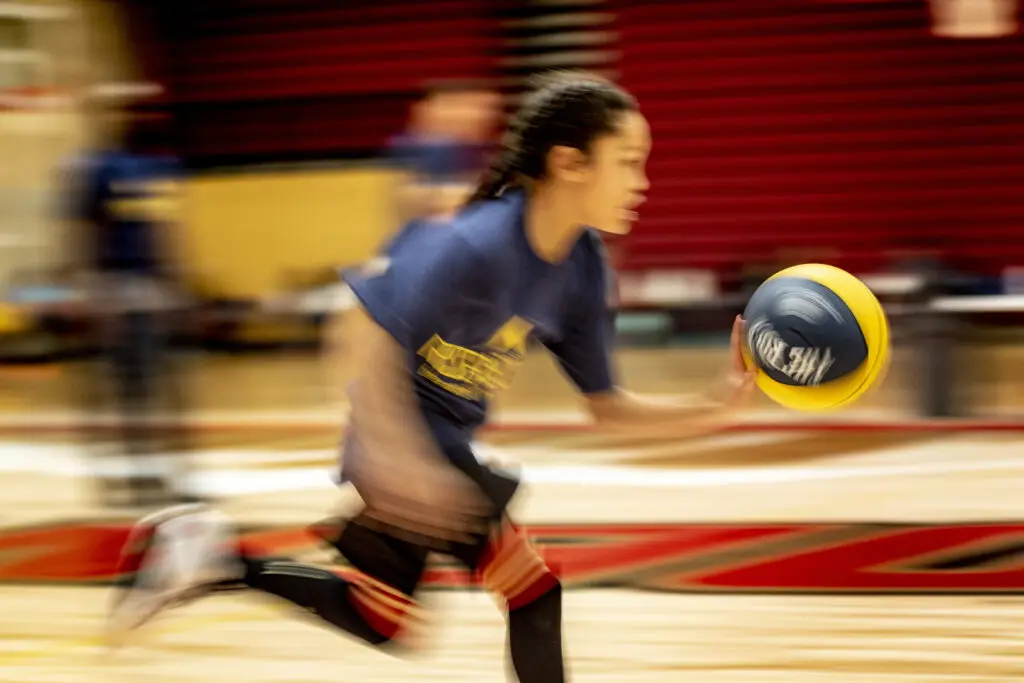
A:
817, 336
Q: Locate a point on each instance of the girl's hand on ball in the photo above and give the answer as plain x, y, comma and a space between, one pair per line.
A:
740, 378
622, 410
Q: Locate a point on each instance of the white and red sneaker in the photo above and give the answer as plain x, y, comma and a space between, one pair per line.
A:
171, 557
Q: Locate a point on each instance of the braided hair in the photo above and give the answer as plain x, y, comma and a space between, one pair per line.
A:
563, 109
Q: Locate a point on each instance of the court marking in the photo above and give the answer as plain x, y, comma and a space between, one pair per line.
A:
557, 421
68, 461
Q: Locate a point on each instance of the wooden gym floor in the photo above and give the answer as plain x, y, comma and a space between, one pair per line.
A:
51, 633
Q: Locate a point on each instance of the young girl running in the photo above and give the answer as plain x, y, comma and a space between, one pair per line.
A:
443, 324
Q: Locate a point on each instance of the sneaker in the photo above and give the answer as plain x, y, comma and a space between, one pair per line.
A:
171, 557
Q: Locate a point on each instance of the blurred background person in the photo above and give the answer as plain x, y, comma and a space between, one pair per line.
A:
444, 148
124, 203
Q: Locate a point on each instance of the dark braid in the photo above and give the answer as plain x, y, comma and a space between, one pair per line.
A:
563, 109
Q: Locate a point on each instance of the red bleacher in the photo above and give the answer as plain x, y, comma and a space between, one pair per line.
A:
844, 125
320, 75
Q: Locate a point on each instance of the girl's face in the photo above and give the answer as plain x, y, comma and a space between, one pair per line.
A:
610, 182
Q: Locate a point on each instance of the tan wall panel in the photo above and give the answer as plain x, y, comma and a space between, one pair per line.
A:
245, 232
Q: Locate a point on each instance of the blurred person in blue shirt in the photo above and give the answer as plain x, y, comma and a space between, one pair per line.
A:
123, 205
444, 149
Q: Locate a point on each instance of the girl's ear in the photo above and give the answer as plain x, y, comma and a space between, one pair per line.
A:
567, 164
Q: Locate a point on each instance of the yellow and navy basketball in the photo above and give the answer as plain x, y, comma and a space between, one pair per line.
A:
817, 336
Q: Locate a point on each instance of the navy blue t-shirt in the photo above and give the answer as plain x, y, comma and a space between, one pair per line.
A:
465, 299
119, 195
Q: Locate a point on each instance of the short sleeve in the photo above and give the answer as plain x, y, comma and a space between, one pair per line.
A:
403, 237
586, 348
430, 287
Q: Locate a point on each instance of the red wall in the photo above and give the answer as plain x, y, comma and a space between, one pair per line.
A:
823, 123
263, 77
